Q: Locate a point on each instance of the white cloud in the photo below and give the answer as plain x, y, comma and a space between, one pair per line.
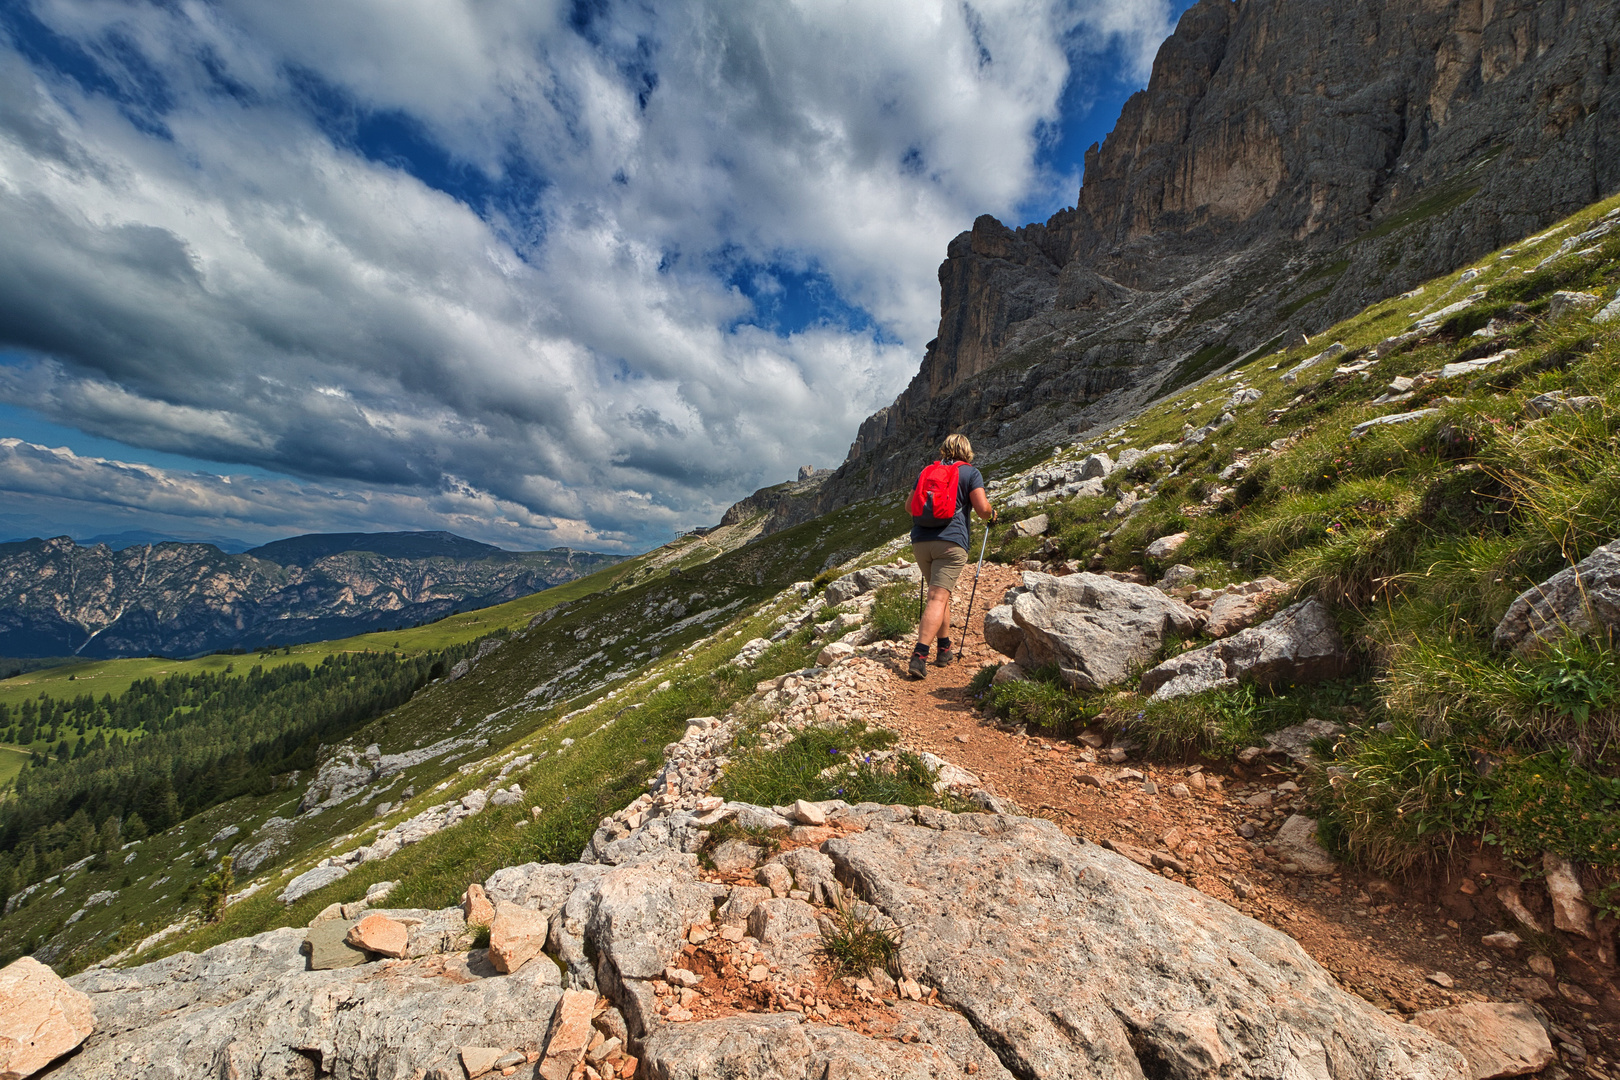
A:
196, 264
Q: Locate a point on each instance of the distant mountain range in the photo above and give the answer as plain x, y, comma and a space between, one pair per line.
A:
61, 598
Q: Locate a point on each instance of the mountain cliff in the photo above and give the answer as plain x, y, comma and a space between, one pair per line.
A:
58, 598
1287, 164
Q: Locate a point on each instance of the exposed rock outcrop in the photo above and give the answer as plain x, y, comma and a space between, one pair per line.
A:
1299, 644
1093, 627
1578, 600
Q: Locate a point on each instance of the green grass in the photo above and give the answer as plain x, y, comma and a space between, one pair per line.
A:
11, 763
776, 777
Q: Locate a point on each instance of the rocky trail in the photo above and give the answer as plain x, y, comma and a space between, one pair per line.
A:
1103, 935
1404, 946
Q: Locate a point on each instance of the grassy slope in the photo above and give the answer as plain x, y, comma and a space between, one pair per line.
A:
1419, 535
596, 650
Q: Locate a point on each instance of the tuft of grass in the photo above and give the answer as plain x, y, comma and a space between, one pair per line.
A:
857, 937
778, 776
895, 611
1041, 701
480, 935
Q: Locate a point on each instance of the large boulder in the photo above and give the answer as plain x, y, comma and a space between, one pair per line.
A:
871, 579
1074, 962
1301, 643
1581, 599
41, 1017
249, 1009
1094, 628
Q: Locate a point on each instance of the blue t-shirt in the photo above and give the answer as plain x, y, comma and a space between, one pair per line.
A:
968, 480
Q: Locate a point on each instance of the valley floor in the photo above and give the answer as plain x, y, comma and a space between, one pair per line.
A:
1404, 946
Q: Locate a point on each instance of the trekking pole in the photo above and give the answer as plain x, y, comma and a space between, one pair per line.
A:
967, 623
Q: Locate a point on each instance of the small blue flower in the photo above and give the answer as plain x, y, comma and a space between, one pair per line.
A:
834, 750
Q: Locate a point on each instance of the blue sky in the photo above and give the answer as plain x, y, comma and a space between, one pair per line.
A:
536, 272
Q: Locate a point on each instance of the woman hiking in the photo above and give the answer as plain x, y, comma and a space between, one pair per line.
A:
939, 541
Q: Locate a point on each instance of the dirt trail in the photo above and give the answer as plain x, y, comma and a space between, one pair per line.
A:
1401, 946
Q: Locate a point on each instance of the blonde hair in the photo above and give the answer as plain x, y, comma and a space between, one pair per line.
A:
956, 448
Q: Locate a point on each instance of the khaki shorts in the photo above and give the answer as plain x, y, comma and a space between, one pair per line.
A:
940, 561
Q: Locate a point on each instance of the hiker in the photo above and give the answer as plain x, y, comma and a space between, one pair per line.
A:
939, 542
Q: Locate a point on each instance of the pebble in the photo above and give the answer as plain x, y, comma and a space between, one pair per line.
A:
1440, 978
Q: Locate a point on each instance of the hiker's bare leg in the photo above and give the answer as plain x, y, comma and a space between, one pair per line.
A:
936, 617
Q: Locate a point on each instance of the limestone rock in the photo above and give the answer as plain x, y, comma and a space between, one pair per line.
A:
1295, 740
808, 813
1095, 628
788, 934
1581, 599
1166, 546
1035, 526
328, 948
41, 1017
1096, 467
1498, 1039
1393, 418
1006, 673
1563, 303
834, 652
1001, 632
1296, 842
735, 856
1178, 575
379, 934
812, 872
476, 906
870, 579
1092, 966
1571, 912
1556, 401
516, 936
1231, 612
248, 1008
1299, 644
570, 1034
311, 880
479, 1060
783, 1046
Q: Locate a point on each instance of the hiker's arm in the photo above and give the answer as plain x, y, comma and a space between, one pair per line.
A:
982, 504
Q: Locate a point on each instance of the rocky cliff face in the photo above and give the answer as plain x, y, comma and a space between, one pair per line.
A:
1287, 165
60, 599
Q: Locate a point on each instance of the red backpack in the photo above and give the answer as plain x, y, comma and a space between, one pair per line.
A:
933, 502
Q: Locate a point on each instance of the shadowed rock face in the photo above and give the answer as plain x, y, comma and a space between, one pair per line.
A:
60, 599
1287, 165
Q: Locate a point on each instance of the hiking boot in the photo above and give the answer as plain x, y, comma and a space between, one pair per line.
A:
919, 665
944, 657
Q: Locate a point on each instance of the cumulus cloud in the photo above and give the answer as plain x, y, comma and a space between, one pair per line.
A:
545, 303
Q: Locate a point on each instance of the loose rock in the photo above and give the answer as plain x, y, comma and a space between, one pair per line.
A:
379, 934
41, 1017
1498, 1039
